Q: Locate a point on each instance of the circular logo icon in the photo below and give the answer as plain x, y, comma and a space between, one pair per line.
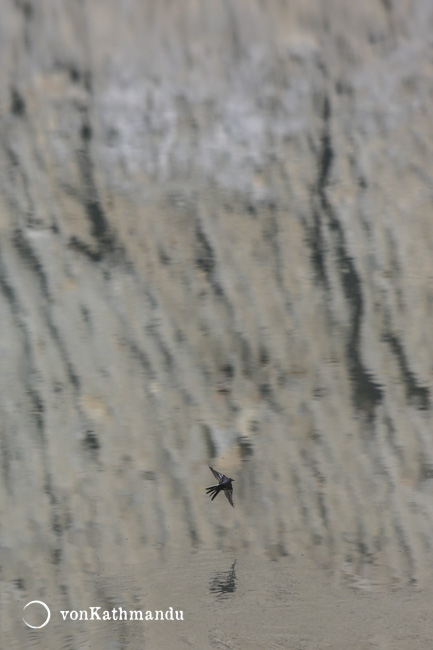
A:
36, 627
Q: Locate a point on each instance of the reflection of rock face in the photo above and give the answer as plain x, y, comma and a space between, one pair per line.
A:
216, 239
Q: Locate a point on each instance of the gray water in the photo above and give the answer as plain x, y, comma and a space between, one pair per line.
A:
215, 248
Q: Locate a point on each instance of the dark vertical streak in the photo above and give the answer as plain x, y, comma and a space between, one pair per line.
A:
418, 395
366, 392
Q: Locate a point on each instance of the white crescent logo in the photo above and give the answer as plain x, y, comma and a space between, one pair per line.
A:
36, 627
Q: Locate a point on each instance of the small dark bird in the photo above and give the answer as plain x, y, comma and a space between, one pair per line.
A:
224, 483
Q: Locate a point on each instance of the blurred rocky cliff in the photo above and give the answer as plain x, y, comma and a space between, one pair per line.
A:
216, 237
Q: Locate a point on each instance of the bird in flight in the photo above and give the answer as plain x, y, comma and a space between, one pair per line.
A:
224, 484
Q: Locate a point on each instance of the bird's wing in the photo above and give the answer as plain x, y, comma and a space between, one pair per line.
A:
220, 477
229, 495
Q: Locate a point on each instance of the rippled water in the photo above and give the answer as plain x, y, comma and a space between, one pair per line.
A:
226, 600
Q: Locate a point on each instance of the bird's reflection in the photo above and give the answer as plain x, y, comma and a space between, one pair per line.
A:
224, 582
